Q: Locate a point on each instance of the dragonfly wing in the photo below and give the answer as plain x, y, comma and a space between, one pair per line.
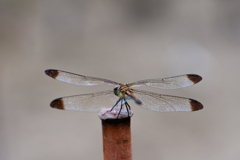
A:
166, 103
92, 102
76, 78
171, 82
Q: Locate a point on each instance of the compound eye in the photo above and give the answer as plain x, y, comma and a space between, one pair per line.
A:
115, 89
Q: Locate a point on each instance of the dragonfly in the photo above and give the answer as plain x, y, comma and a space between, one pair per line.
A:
95, 102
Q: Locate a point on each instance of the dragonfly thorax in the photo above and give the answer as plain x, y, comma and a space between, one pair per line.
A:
123, 90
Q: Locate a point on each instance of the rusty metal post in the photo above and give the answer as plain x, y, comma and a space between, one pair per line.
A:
117, 143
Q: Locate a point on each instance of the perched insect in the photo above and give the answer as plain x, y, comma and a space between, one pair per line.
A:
94, 102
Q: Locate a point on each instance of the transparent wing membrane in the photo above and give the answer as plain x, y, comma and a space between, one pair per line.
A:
77, 79
166, 103
170, 83
93, 102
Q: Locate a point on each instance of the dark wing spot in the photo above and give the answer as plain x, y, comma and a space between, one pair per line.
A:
194, 78
57, 103
195, 105
52, 73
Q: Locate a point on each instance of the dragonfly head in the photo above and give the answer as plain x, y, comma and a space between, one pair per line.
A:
116, 91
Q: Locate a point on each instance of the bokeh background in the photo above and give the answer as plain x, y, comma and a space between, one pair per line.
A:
124, 41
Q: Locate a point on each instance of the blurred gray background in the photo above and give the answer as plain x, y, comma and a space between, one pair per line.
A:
124, 41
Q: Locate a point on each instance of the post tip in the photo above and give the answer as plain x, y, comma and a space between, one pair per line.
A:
107, 114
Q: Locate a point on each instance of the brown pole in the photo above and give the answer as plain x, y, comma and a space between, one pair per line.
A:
117, 143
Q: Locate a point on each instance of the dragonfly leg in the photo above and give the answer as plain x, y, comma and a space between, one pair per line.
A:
127, 107
115, 104
120, 108
126, 104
